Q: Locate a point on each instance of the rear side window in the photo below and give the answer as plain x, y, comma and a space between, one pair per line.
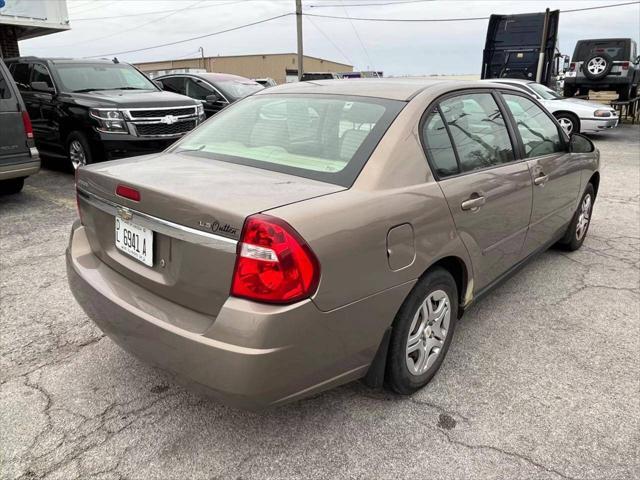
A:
478, 131
174, 84
539, 133
328, 138
438, 145
21, 72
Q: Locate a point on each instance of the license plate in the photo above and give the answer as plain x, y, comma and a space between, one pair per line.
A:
570, 74
135, 241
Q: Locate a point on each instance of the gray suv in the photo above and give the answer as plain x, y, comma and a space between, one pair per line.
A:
604, 64
18, 156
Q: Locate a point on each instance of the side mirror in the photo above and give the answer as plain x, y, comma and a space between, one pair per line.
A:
566, 63
213, 98
580, 144
42, 87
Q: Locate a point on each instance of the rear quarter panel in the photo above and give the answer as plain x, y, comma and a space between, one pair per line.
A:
348, 230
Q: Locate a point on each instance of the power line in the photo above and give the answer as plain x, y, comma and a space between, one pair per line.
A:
195, 38
380, 4
359, 39
463, 19
330, 41
154, 12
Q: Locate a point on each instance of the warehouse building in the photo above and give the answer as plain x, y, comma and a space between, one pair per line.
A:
23, 19
278, 66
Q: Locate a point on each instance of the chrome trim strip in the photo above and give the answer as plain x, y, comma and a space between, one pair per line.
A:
158, 120
174, 230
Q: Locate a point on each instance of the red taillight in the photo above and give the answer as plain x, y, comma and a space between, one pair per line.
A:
572, 67
128, 192
274, 264
26, 122
625, 65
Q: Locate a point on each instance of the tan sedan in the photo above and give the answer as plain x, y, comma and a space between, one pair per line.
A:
321, 232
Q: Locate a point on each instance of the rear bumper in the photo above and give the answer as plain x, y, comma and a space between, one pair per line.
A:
602, 84
28, 165
253, 355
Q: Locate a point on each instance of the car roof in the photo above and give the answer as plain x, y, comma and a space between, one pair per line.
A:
61, 60
210, 76
519, 81
390, 88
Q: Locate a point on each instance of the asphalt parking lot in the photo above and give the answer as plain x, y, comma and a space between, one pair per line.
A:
542, 379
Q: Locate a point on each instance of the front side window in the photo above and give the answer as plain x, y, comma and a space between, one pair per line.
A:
478, 131
87, 77
328, 138
197, 90
438, 145
539, 133
41, 74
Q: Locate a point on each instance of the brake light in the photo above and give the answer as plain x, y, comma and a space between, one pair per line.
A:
274, 264
26, 122
625, 65
128, 192
572, 67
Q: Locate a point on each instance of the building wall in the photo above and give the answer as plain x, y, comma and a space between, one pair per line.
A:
8, 42
251, 66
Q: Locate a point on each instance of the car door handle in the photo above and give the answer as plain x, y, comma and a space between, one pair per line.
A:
473, 203
541, 180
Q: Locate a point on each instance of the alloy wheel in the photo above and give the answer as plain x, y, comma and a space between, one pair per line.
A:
77, 154
597, 65
583, 218
566, 124
428, 332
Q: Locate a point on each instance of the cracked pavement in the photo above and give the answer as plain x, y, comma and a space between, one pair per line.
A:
542, 380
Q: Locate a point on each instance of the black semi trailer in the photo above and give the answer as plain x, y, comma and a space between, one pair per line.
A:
524, 46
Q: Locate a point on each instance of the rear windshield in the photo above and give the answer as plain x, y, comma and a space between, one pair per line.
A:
323, 137
616, 49
237, 89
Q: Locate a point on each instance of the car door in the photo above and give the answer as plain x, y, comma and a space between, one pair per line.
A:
13, 140
556, 178
472, 154
201, 90
46, 125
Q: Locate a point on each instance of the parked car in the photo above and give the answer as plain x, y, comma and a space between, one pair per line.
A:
573, 114
93, 110
604, 64
309, 235
266, 82
214, 90
19, 157
311, 76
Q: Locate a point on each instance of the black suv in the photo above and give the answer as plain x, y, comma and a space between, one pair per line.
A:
604, 64
18, 155
93, 110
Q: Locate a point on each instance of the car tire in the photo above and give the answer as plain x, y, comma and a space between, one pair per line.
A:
579, 226
422, 332
11, 186
78, 150
569, 122
597, 66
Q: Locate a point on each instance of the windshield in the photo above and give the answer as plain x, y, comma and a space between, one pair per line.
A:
237, 90
543, 91
101, 76
328, 138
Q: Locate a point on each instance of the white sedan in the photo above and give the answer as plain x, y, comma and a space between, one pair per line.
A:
573, 114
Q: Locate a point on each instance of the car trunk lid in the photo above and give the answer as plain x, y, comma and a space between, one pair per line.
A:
196, 208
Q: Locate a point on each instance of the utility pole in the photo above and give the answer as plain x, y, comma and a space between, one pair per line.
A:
299, 29
202, 56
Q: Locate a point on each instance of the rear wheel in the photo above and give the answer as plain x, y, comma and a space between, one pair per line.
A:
78, 150
569, 122
422, 332
577, 230
11, 186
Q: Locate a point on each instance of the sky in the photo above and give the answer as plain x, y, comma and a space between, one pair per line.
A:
393, 47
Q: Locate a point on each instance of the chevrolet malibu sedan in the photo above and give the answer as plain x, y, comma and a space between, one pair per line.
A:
317, 233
